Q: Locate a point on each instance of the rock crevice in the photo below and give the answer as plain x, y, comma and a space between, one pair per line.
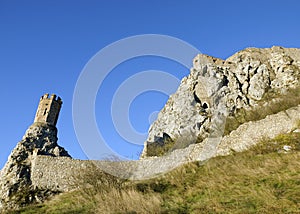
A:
215, 86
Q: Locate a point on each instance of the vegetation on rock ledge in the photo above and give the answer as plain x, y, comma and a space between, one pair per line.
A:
264, 179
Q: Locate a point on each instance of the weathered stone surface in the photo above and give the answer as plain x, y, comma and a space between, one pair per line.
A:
39, 167
217, 86
48, 109
250, 133
40, 139
16, 184
48, 174
64, 172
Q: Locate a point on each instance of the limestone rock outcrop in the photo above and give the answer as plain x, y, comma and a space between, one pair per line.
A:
15, 185
40, 139
191, 125
216, 89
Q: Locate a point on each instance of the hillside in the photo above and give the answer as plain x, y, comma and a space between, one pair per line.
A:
264, 179
227, 141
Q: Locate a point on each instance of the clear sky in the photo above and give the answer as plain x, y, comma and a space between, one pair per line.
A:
44, 46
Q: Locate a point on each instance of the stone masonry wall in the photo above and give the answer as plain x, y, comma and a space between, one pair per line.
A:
61, 173
38, 167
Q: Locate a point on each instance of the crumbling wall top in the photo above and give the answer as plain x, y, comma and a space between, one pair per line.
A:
48, 109
52, 97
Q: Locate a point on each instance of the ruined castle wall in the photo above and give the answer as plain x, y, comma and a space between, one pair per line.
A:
56, 173
63, 173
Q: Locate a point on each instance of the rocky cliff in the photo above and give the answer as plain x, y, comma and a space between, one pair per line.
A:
223, 106
253, 80
16, 185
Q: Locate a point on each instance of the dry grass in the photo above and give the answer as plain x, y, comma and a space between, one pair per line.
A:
114, 201
235, 185
271, 103
264, 179
156, 149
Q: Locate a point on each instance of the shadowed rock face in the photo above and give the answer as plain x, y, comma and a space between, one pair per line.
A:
217, 86
38, 167
15, 184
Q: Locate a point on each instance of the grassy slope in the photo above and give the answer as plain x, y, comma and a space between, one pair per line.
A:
264, 179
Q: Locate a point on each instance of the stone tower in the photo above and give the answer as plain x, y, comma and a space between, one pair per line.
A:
40, 139
48, 110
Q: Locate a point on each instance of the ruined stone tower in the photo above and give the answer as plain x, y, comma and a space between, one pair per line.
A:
48, 110
16, 186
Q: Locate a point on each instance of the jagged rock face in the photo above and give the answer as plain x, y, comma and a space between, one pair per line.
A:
15, 183
217, 88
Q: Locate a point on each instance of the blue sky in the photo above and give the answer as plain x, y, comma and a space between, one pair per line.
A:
44, 45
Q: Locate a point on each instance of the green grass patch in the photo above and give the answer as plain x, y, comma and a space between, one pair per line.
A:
260, 180
160, 149
271, 103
